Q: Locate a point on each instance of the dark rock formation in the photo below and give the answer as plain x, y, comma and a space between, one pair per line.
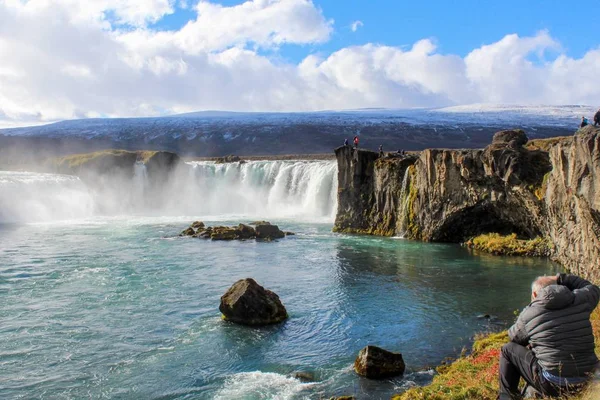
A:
264, 231
248, 303
376, 363
549, 188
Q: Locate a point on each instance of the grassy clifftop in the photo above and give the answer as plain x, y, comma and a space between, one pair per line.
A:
475, 376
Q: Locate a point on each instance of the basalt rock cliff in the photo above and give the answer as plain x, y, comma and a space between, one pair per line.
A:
548, 188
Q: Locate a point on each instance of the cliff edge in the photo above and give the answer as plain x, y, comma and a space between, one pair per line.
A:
548, 188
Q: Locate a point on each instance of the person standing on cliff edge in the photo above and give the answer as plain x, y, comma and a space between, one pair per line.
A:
356, 142
597, 118
552, 343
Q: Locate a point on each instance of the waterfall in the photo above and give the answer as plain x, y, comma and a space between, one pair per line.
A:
304, 190
37, 197
140, 178
405, 198
295, 189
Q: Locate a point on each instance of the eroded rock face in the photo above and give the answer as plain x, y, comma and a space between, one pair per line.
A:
551, 190
248, 303
376, 363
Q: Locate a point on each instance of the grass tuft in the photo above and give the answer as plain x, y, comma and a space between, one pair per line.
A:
510, 245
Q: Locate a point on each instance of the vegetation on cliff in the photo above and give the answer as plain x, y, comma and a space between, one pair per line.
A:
510, 245
475, 376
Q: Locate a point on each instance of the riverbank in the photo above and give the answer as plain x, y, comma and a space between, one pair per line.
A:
475, 376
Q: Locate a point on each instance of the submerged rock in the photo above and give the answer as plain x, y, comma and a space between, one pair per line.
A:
248, 303
304, 376
376, 363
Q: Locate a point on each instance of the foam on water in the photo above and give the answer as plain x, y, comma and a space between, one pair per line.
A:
262, 385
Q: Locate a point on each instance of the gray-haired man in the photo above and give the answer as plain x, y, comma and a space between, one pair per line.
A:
552, 342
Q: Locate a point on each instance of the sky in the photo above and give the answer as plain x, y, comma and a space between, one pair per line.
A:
65, 59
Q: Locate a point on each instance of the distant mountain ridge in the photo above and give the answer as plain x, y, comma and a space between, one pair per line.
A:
217, 133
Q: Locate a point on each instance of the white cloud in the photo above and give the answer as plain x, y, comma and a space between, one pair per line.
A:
355, 25
85, 63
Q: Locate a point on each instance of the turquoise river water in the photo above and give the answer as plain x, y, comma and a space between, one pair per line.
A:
120, 307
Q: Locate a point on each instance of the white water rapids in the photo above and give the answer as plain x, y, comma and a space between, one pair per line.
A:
305, 190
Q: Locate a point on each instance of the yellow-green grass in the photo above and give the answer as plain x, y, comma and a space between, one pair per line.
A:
476, 376
510, 245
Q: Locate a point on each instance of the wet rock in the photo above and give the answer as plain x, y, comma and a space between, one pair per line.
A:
188, 232
289, 233
197, 225
248, 303
268, 232
246, 232
224, 233
376, 363
343, 398
259, 223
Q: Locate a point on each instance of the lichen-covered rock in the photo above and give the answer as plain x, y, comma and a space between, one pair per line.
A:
268, 232
248, 303
376, 363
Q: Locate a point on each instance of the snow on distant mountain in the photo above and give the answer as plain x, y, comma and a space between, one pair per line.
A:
218, 132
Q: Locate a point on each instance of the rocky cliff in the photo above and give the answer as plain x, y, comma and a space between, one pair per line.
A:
548, 188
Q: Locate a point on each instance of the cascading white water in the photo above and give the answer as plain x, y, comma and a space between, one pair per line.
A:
37, 197
304, 190
296, 189
140, 179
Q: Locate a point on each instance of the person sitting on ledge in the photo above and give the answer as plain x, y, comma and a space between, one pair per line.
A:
584, 122
346, 142
552, 342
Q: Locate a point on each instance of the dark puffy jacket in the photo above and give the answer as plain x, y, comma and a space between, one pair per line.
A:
557, 326
597, 117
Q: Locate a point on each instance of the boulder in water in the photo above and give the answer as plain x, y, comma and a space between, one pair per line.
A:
376, 363
197, 225
259, 223
188, 232
248, 303
246, 232
224, 233
268, 232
